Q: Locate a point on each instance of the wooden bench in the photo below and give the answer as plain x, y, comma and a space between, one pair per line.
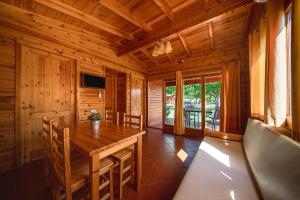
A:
265, 165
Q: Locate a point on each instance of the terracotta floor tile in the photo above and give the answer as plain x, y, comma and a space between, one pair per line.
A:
162, 171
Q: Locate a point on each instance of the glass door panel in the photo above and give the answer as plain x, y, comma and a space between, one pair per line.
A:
192, 103
170, 95
212, 103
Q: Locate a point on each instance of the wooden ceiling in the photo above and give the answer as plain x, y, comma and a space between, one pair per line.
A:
194, 27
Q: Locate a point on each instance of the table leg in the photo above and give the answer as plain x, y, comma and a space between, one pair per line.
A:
94, 177
138, 165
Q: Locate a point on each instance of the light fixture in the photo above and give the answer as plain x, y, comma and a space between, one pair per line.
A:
162, 48
155, 51
168, 47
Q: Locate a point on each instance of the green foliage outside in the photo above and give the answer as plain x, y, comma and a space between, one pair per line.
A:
193, 91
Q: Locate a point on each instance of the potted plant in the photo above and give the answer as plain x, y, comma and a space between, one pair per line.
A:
95, 120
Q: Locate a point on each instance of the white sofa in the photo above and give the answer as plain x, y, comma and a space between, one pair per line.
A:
265, 165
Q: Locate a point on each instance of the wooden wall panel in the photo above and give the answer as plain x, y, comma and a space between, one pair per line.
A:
47, 88
155, 104
7, 104
89, 98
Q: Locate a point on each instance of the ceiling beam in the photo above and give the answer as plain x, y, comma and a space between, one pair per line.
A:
198, 14
120, 10
184, 44
211, 36
170, 57
146, 53
163, 5
186, 3
89, 19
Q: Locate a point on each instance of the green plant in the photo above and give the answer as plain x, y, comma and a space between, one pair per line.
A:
95, 117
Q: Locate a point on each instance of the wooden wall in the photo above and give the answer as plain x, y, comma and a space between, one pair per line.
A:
46, 87
60, 42
155, 103
88, 98
7, 103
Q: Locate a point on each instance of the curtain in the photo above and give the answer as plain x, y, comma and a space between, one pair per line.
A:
231, 98
296, 69
179, 115
276, 74
257, 67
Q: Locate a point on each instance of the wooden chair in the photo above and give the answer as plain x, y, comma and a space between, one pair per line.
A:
127, 155
70, 176
110, 117
133, 121
47, 141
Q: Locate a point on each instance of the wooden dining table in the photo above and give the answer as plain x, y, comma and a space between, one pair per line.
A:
109, 139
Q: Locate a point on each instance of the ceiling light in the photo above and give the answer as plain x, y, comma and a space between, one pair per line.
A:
168, 47
162, 48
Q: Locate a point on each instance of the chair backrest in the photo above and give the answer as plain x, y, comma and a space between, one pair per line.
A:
47, 137
110, 117
274, 161
133, 121
61, 159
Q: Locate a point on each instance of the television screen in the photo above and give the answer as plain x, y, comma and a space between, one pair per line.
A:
92, 81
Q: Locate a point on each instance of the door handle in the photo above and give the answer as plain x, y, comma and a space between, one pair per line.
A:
27, 107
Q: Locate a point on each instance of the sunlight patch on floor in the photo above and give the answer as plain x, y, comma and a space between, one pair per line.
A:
182, 155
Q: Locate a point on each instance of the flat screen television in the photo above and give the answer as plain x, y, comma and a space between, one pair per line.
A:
92, 81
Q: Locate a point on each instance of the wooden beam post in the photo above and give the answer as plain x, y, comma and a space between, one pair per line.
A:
184, 44
163, 5
117, 8
146, 53
211, 36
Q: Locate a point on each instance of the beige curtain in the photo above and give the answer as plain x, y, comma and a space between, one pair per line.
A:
179, 115
276, 74
232, 100
296, 69
257, 67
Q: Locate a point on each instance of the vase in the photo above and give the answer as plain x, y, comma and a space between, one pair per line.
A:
95, 125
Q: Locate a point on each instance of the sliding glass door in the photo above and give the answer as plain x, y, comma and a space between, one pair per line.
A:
192, 103
170, 94
201, 106
212, 102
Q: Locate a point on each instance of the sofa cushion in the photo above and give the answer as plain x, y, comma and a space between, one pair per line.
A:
218, 171
274, 160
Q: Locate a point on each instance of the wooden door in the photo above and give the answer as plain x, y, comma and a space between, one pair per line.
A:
137, 96
47, 84
155, 104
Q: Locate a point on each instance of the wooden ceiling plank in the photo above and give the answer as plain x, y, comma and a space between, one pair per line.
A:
163, 5
120, 10
184, 44
146, 53
89, 19
211, 36
197, 14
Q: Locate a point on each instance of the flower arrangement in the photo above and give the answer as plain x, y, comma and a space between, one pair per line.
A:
95, 117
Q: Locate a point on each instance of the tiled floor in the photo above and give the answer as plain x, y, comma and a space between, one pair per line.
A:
162, 171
